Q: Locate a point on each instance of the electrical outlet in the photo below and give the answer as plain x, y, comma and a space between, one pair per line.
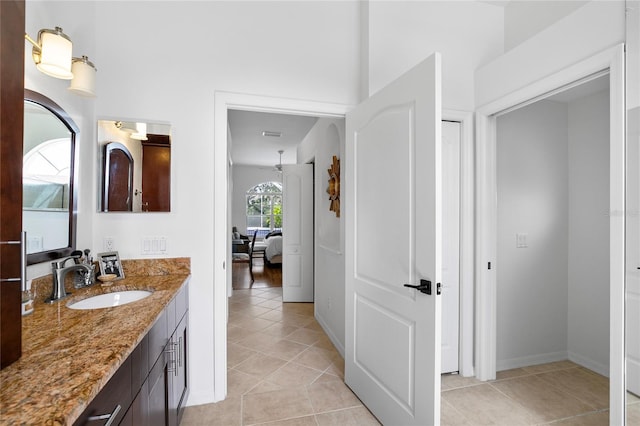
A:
109, 244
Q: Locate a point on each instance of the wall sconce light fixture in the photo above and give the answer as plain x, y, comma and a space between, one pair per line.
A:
52, 56
141, 132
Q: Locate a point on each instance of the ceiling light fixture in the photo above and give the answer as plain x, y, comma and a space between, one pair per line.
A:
278, 166
271, 134
53, 57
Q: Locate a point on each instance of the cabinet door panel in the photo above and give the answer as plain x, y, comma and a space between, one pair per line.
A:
157, 395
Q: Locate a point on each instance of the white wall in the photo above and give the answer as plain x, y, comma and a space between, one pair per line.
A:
560, 45
532, 200
402, 34
553, 184
524, 19
163, 61
323, 141
589, 231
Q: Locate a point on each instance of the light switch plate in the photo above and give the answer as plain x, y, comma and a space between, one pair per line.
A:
522, 240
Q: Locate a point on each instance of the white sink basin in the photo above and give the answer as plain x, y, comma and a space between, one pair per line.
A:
109, 300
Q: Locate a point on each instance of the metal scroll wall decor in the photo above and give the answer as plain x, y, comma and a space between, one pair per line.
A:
334, 186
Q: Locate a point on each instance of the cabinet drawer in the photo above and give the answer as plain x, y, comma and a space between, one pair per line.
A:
117, 392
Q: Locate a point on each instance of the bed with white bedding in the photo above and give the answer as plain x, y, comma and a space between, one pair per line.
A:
273, 250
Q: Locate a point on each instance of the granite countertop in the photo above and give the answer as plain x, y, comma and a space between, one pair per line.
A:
69, 355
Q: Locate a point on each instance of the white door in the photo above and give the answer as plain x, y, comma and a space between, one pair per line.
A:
632, 277
393, 237
297, 233
450, 245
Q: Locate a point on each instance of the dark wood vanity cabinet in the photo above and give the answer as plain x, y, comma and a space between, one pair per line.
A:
154, 375
12, 19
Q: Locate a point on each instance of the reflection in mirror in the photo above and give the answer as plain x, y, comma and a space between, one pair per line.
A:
48, 179
135, 171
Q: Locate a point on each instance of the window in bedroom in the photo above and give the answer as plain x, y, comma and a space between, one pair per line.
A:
264, 208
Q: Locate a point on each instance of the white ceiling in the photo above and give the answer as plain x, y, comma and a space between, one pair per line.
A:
250, 147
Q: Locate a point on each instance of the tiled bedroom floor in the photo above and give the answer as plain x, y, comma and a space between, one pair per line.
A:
283, 370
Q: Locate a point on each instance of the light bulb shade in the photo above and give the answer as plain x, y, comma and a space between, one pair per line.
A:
55, 54
141, 132
84, 77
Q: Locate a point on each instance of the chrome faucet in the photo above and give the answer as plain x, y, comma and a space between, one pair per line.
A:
59, 272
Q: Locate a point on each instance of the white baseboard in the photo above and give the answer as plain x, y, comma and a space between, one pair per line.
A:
339, 346
526, 361
589, 363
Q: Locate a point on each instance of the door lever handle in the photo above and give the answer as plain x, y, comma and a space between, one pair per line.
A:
424, 287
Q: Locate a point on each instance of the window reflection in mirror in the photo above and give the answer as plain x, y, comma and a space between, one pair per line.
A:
47, 179
135, 166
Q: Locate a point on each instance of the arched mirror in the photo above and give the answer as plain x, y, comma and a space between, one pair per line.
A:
135, 166
49, 194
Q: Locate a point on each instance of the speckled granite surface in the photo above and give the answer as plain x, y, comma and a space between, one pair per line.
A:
69, 355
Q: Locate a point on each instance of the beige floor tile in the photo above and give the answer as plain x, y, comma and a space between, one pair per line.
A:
298, 308
235, 334
325, 377
254, 324
550, 366
256, 310
298, 421
510, 374
264, 386
454, 381
293, 375
279, 330
632, 399
286, 349
633, 414
224, 413
257, 341
305, 336
537, 396
331, 395
276, 405
273, 315
260, 365
450, 416
336, 368
487, 406
324, 343
314, 325
320, 360
237, 354
585, 385
294, 319
271, 303
600, 418
358, 416
238, 383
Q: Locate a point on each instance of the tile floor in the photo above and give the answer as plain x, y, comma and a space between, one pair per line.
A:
283, 370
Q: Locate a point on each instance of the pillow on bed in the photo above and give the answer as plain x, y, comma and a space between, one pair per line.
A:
272, 234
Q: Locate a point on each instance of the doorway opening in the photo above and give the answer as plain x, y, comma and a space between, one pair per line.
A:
553, 230
224, 102
611, 65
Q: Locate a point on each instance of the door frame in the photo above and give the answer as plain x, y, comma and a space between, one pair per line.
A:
223, 101
611, 59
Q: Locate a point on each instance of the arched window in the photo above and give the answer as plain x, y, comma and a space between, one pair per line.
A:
264, 208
